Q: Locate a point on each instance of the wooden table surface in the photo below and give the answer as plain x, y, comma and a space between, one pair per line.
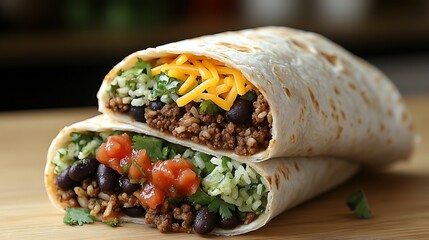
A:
399, 196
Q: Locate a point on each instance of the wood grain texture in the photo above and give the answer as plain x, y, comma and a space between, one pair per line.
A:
398, 196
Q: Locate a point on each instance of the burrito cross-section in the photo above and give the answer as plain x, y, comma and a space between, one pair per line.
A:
116, 172
261, 93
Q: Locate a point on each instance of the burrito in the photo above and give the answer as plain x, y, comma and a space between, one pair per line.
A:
257, 94
116, 172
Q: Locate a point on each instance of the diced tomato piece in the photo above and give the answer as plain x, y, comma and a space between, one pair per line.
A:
175, 177
140, 166
116, 148
187, 182
151, 196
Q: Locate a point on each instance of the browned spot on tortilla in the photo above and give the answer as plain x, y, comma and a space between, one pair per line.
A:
292, 139
285, 171
368, 130
404, 116
335, 116
365, 98
300, 44
313, 100
332, 103
359, 121
270, 182
382, 127
411, 127
236, 47
378, 78
287, 91
331, 58
352, 86
339, 131
296, 166
389, 112
336, 91
277, 180
343, 115
324, 114
301, 115
309, 150
389, 141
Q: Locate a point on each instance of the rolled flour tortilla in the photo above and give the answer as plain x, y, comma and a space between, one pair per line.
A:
324, 101
290, 181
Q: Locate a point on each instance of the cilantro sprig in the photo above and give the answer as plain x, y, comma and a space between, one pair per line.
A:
358, 203
215, 203
78, 216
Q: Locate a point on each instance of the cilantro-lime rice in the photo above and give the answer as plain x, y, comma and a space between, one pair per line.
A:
228, 189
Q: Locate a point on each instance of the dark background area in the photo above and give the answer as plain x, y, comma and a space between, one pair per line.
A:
54, 54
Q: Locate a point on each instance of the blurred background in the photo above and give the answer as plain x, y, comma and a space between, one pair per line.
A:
55, 53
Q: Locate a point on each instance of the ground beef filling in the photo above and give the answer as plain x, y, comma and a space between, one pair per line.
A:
215, 131
167, 217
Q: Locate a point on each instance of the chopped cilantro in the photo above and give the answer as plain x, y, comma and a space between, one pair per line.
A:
215, 204
137, 165
153, 146
358, 203
224, 208
225, 160
78, 216
209, 107
209, 166
200, 197
114, 223
164, 87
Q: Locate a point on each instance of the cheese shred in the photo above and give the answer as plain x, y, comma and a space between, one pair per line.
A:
204, 79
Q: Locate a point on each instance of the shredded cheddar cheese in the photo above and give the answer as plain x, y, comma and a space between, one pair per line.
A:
204, 79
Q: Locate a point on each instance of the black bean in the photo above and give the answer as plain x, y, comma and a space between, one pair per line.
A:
83, 169
134, 211
240, 112
231, 222
64, 181
137, 113
156, 105
205, 221
127, 186
107, 178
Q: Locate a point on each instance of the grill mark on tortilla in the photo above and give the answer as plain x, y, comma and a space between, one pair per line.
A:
292, 138
331, 58
352, 86
335, 117
313, 99
336, 91
332, 103
301, 115
365, 98
236, 47
269, 181
359, 120
343, 115
382, 127
389, 141
285, 171
404, 116
300, 45
287, 91
296, 166
277, 180
339, 131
